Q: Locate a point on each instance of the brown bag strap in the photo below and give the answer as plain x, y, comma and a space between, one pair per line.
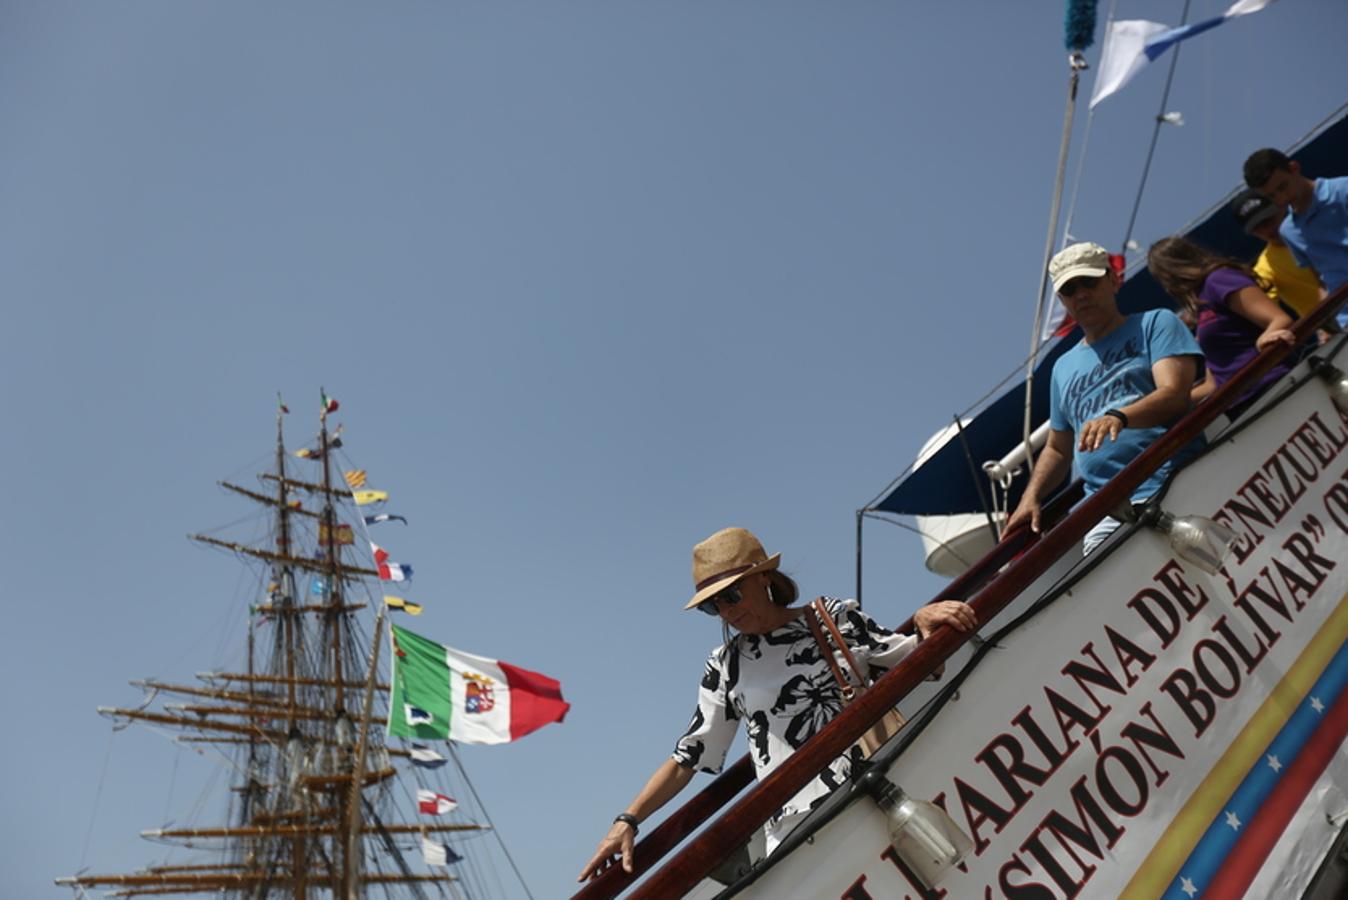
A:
822, 611
848, 690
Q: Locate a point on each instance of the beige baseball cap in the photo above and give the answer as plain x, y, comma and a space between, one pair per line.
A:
1079, 259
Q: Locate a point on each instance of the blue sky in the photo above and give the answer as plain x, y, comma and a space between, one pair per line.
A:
591, 281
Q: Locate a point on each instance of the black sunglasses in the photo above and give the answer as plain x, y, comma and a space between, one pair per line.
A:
1078, 284
730, 596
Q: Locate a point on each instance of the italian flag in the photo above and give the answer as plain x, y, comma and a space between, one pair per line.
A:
440, 692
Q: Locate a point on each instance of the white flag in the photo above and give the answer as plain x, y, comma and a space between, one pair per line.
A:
1132, 43
1124, 55
437, 854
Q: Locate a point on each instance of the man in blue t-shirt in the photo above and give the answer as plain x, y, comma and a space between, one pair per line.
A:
1113, 393
1317, 230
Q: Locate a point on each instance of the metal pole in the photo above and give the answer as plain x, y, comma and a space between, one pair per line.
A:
1155, 133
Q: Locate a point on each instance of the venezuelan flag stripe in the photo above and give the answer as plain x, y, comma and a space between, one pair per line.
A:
1247, 805
1162, 866
1254, 846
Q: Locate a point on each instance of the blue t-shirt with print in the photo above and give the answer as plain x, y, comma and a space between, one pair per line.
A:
1109, 374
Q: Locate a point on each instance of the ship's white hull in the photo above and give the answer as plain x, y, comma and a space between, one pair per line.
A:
1155, 730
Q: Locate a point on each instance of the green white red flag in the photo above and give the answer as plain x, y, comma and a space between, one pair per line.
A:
440, 692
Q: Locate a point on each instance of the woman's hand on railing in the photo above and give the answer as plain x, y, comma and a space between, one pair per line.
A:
617, 844
1274, 336
957, 614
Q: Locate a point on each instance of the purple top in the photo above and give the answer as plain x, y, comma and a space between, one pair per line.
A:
1228, 338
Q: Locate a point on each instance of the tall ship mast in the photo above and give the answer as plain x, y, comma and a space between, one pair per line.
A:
319, 805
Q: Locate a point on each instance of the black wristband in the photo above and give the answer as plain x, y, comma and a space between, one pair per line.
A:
628, 819
1118, 415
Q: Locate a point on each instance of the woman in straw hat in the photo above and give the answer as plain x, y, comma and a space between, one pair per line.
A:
769, 673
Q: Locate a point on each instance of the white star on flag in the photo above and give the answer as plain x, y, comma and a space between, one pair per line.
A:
1188, 887
1274, 764
1233, 820
1317, 705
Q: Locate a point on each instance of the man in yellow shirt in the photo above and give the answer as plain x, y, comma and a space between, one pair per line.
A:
1296, 288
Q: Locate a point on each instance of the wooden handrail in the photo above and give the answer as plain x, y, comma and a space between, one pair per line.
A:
691, 815
667, 835
691, 864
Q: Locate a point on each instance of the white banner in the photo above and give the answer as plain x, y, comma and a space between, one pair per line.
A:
1155, 731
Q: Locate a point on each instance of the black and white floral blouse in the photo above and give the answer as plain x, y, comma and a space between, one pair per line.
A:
782, 688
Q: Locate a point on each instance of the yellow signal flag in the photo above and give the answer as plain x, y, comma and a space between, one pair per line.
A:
305, 453
355, 478
365, 498
412, 609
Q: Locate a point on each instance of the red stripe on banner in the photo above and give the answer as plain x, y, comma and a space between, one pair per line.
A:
535, 700
1247, 855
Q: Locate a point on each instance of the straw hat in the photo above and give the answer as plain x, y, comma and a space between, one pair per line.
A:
729, 555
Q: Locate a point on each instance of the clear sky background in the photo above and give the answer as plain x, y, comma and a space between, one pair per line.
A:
590, 280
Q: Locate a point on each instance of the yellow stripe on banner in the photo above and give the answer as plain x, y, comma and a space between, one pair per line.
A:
1161, 866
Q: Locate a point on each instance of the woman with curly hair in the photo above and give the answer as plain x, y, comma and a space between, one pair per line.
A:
1235, 318
770, 673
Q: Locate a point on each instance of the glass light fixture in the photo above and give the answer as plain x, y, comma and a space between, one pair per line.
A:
1335, 379
1197, 539
924, 836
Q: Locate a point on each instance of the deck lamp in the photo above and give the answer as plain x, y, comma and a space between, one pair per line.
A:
922, 834
1335, 378
1196, 539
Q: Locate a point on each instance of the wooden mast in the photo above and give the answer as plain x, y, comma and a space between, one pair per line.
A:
286, 575
358, 770
331, 553
302, 822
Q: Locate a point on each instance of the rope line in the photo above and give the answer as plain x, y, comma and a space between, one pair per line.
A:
98, 794
1155, 133
458, 763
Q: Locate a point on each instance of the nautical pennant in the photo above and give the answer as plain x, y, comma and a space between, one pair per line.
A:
417, 716
342, 535
426, 758
384, 517
1132, 43
355, 478
437, 854
365, 498
433, 804
389, 571
412, 609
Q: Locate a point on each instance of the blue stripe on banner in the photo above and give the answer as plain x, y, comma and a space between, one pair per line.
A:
1212, 849
1166, 39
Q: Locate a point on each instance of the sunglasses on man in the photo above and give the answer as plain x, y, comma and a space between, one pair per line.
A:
729, 596
1078, 284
